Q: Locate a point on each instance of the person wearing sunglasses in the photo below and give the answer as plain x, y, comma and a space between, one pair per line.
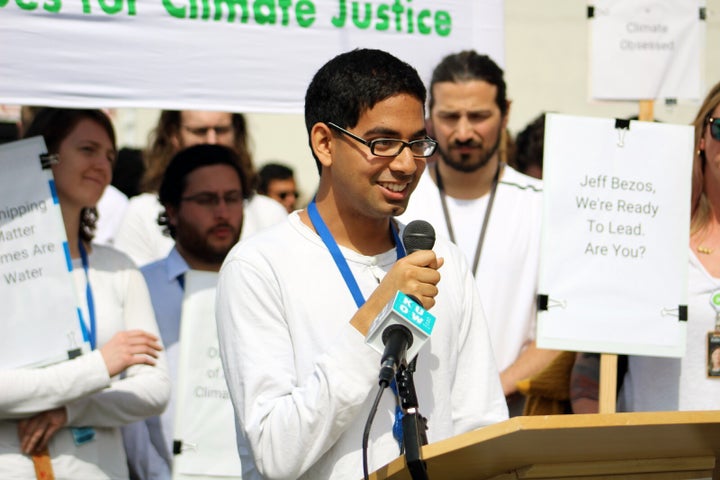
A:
685, 384
277, 181
295, 301
713, 130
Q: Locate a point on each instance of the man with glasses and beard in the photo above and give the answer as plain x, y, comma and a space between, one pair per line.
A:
138, 234
489, 210
202, 192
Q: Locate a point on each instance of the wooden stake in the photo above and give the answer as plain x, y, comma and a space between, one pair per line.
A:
608, 383
608, 361
43, 467
646, 113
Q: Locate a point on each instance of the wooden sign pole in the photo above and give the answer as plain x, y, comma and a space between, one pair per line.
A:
608, 383
646, 113
608, 362
43, 466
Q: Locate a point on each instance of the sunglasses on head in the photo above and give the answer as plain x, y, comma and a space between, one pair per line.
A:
714, 127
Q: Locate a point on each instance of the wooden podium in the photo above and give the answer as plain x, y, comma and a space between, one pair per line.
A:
652, 445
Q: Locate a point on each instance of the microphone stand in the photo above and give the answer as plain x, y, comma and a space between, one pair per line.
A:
414, 425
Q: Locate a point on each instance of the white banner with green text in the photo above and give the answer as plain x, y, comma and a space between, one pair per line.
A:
236, 55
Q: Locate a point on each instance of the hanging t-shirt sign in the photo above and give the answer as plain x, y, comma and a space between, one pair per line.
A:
646, 49
204, 418
37, 294
616, 216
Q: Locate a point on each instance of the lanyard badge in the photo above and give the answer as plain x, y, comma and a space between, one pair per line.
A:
713, 339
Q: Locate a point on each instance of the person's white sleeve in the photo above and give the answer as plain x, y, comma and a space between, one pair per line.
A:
145, 390
132, 236
290, 419
30, 391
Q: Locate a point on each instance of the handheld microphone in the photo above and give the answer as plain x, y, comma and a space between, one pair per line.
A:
403, 326
418, 235
397, 339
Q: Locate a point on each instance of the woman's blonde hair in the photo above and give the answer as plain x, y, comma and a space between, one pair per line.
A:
700, 208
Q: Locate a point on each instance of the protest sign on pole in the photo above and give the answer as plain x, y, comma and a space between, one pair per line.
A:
616, 219
646, 49
40, 308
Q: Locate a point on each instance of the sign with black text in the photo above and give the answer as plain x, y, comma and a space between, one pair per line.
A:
41, 320
204, 418
646, 49
616, 220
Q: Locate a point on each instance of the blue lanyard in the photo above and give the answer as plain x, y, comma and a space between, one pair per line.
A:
91, 334
352, 285
340, 261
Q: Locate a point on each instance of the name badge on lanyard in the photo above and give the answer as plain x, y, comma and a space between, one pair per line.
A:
713, 339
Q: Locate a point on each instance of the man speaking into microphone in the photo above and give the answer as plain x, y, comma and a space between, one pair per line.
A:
295, 302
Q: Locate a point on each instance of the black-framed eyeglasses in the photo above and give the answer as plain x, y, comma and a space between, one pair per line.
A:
714, 127
212, 200
391, 147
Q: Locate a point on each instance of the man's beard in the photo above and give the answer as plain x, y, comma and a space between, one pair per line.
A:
461, 165
196, 244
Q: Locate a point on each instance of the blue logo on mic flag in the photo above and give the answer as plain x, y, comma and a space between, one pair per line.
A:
402, 310
415, 314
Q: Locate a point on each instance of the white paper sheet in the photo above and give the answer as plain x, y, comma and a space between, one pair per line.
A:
616, 219
646, 49
40, 307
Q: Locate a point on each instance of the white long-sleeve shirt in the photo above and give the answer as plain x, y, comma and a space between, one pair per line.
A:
302, 379
83, 385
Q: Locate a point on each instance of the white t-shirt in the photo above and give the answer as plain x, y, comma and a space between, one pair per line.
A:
302, 379
140, 236
666, 384
507, 273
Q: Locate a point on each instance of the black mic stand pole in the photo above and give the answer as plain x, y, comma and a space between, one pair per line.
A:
414, 425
